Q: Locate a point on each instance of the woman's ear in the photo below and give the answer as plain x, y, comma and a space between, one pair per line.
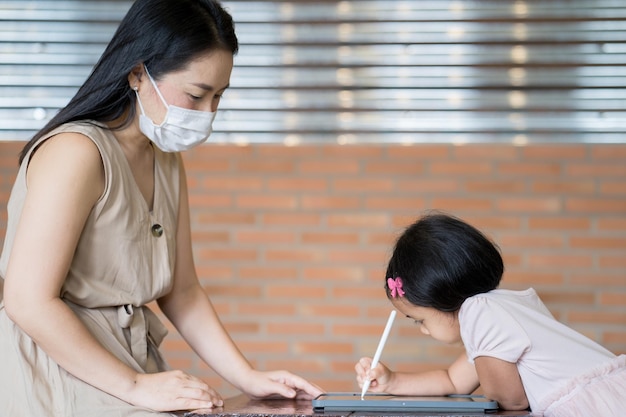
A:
135, 76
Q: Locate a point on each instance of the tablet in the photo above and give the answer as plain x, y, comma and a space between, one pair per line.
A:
351, 401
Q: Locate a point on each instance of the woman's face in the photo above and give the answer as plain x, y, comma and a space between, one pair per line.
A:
199, 86
439, 325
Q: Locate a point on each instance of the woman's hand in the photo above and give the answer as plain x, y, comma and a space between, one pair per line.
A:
172, 391
381, 377
279, 384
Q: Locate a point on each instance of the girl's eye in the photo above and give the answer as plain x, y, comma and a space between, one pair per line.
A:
419, 322
195, 98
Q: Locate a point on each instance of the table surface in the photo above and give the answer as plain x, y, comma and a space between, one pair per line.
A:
242, 406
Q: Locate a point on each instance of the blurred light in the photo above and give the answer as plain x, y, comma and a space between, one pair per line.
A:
345, 76
345, 117
346, 139
520, 31
39, 113
517, 120
345, 31
519, 54
286, 10
520, 9
346, 99
288, 33
520, 140
454, 99
290, 55
344, 7
292, 140
290, 98
456, 7
517, 99
517, 76
292, 121
455, 32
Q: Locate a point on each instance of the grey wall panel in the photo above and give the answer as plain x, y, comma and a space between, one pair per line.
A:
360, 71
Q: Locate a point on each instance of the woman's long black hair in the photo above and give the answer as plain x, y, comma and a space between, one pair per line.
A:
165, 35
442, 261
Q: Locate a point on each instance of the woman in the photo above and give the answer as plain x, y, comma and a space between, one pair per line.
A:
99, 227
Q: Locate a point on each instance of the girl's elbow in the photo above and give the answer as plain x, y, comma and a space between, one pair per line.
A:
514, 404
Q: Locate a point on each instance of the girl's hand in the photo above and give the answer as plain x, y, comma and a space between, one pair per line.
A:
279, 384
172, 391
381, 377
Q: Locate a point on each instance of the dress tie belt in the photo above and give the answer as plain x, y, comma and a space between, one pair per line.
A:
142, 327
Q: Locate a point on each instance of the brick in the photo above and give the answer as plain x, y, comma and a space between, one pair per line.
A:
613, 188
239, 291
525, 240
291, 219
559, 223
394, 168
229, 218
482, 151
597, 317
332, 310
596, 205
329, 167
417, 152
298, 185
563, 187
294, 291
606, 278
468, 169
530, 204
429, 185
532, 277
560, 261
268, 272
264, 237
329, 202
602, 152
268, 308
329, 238
288, 329
606, 169
495, 186
529, 169
559, 152
315, 348
264, 201
271, 166
454, 205
394, 203
343, 273
613, 298
360, 185
221, 183
584, 242
360, 220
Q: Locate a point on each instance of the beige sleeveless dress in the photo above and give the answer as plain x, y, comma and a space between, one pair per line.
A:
120, 265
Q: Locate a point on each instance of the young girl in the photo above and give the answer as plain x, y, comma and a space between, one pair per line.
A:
443, 274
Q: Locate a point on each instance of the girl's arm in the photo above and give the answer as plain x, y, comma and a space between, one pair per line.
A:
65, 179
188, 307
459, 378
501, 381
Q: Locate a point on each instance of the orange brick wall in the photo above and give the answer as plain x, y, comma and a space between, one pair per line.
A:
291, 242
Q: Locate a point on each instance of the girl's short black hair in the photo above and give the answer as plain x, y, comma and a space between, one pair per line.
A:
442, 261
165, 35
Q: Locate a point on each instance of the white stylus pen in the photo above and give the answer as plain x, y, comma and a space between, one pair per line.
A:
379, 351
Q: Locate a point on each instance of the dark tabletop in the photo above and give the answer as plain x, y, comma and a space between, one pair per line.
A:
242, 406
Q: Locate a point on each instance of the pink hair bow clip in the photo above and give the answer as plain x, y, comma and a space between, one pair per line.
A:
395, 286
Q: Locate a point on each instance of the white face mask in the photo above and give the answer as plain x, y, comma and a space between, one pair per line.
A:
181, 128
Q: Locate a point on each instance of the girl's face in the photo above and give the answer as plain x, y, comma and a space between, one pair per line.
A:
439, 325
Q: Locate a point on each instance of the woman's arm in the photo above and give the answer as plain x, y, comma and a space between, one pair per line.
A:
65, 179
459, 378
501, 381
188, 307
